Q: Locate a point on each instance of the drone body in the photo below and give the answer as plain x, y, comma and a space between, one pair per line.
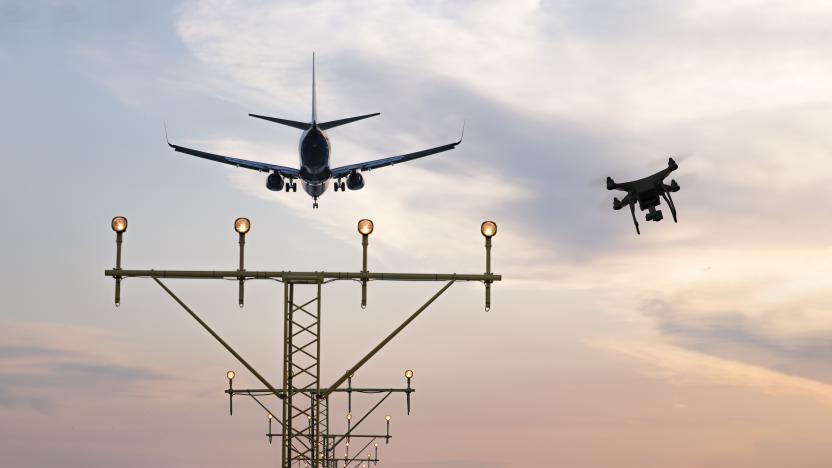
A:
647, 192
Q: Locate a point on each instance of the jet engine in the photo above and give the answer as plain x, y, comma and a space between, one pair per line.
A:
274, 182
355, 181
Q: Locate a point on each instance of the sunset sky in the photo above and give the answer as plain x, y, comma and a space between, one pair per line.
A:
702, 343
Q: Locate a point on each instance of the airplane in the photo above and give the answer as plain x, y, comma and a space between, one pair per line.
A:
646, 192
314, 149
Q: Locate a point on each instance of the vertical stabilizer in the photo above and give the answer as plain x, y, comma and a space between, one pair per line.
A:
314, 104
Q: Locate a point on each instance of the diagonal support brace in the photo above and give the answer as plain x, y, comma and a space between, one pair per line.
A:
386, 340
217, 337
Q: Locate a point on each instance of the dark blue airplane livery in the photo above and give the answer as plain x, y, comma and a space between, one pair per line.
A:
314, 149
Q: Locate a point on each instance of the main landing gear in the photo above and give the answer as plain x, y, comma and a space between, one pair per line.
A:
293, 186
340, 186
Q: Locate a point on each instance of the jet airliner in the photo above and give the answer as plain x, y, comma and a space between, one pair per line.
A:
315, 172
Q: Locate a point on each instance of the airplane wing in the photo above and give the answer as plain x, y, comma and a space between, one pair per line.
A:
390, 161
254, 165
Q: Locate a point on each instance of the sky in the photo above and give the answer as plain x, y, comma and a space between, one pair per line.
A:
702, 343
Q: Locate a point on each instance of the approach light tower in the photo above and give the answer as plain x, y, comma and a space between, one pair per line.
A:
306, 436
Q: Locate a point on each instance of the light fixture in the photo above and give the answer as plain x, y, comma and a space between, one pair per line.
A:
408, 374
349, 417
488, 229
365, 227
230, 374
242, 225
119, 224
387, 418
270, 416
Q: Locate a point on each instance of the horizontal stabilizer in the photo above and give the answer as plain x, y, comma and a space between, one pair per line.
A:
290, 123
336, 123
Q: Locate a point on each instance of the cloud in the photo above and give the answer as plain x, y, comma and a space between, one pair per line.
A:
682, 367
30, 371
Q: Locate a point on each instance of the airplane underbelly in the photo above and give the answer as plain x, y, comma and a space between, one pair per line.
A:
315, 189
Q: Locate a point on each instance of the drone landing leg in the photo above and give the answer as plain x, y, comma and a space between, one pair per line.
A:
668, 198
635, 221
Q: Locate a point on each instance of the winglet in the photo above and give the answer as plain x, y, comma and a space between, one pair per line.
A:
462, 134
167, 140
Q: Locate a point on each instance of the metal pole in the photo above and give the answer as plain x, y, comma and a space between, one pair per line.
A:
242, 267
387, 340
487, 272
364, 243
118, 268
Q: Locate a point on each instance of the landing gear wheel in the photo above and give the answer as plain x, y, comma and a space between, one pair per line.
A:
288, 186
343, 187
294, 186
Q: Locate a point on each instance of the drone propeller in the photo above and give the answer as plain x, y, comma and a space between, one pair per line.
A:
678, 157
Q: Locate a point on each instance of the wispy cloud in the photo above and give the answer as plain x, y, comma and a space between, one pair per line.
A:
683, 367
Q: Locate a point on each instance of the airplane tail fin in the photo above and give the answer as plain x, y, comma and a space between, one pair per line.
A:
314, 104
337, 123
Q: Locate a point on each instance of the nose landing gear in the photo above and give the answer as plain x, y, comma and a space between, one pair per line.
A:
315, 202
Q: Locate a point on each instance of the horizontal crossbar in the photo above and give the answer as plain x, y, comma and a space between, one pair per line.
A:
300, 275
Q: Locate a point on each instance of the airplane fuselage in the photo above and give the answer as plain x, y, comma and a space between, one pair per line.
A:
314, 151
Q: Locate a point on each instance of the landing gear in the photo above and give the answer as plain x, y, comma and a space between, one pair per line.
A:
340, 186
315, 202
343, 187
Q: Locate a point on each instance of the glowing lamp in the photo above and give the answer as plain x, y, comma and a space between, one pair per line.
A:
365, 227
488, 229
242, 225
119, 224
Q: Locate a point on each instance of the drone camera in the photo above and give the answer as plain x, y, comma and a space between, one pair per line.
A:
655, 216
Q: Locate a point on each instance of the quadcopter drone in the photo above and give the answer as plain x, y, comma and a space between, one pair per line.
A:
646, 192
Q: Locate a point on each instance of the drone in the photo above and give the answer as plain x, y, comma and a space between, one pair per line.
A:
646, 192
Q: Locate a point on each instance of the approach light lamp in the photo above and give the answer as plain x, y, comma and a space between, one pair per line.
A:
349, 417
119, 224
387, 437
242, 225
408, 374
270, 427
488, 229
365, 227
230, 374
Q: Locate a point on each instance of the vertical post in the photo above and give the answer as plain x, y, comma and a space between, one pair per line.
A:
487, 272
242, 267
242, 226
287, 400
118, 267
364, 243
365, 228
488, 229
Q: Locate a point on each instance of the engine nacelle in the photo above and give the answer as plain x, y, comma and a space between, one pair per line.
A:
274, 182
355, 181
